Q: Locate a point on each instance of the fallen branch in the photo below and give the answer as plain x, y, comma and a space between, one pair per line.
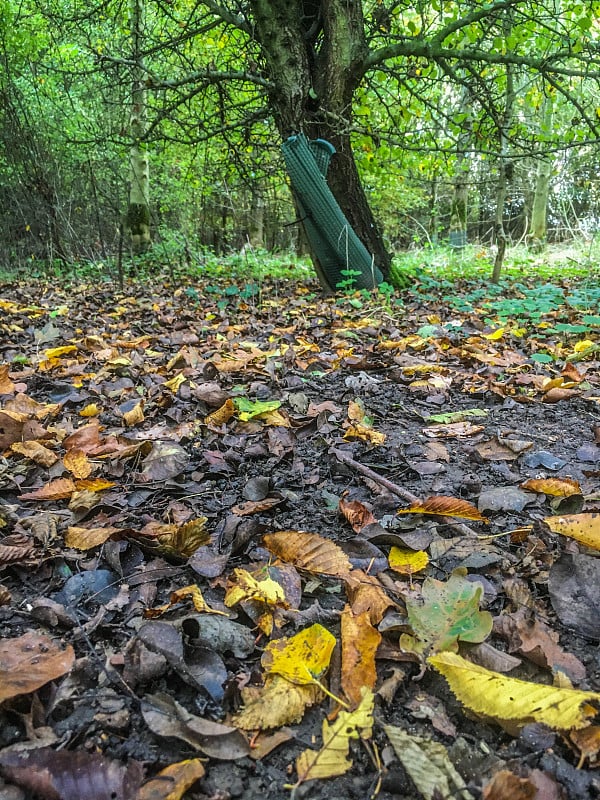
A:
392, 487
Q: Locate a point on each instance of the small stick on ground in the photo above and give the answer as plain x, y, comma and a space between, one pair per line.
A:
392, 487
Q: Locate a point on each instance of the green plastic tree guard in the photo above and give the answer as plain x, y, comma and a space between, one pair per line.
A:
334, 244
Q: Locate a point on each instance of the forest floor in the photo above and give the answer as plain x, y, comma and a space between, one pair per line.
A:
200, 533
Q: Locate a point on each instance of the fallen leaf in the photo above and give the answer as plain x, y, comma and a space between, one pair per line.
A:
173, 781
30, 661
333, 758
502, 698
446, 507
309, 551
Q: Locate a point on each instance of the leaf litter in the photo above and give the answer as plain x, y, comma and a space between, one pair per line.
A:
260, 545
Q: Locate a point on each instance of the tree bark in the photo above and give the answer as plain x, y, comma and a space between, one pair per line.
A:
138, 211
539, 209
315, 53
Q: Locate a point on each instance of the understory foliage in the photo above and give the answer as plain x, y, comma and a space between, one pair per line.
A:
460, 121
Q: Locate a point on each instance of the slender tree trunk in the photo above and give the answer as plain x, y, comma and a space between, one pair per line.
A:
460, 196
315, 51
505, 172
138, 211
539, 208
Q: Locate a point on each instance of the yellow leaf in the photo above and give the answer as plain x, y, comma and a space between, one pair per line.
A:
279, 702
222, 415
584, 528
175, 382
91, 410
494, 695
333, 758
302, 658
247, 587
86, 538
555, 487
172, 782
407, 562
177, 596
76, 462
135, 415
94, 484
494, 335
57, 352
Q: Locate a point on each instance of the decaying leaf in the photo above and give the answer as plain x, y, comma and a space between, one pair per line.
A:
173, 781
357, 514
166, 717
498, 697
447, 612
279, 702
428, 764
58, 489
302, 658
64, 775
30, 661
334, 757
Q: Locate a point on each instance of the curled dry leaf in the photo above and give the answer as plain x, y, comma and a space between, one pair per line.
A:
77, 463
555, 487
357, 514
309, 551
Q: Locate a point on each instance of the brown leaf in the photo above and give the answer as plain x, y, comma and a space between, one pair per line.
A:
86, 538
36, 452
308, 551
441, 505
506, 785
61, 775
360, 641
357, 514
76, 462
29, 662
173, 781
366, 594
58, 489
6, 384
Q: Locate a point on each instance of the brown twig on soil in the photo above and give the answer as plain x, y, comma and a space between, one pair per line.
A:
459, 527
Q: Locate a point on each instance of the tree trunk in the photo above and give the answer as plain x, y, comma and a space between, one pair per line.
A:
315, 51
505, 168
138, 211
539, 209
460, 196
